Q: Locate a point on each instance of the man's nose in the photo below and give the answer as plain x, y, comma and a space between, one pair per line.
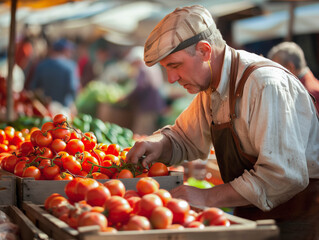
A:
172, 77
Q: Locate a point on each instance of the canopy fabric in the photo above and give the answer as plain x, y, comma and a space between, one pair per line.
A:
36, 4
275, 25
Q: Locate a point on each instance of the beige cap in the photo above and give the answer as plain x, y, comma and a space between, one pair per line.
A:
178, 30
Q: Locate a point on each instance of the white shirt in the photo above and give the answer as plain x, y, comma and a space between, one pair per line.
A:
276, 122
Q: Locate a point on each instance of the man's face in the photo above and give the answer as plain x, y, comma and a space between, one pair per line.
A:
189, 71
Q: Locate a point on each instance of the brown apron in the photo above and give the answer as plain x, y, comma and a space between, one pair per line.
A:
300, 215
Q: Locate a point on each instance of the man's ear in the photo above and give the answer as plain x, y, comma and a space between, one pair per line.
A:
204, 49
292, 68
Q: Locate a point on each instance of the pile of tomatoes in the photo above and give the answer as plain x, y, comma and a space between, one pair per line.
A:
113, 208
58, 151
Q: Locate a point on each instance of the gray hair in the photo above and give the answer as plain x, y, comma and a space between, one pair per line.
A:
288, 52
215, 38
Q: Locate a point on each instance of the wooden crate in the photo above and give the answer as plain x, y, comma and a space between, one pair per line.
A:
52, 226
8, 195
36, 191
27, 230
239, 229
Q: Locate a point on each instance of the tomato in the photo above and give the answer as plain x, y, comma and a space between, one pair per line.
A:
123, 155
44, 152
17, 139
161, 218
117, 210
19, 168
48, 126
147, 185
61, 133
32, 171
3, 148
74, 146
26, 148
134, 203
2, 136
82, 187
195, 224
137, 223
88, 162
213, 216
33, 136
130, 193
179, 208
70, 189
44, 163
125, 173
148, 203
98, 154
92, 218
61, 209
59, 119
109, 230
158, 169
63, 176
43, 139
98, 175
89, 140
72, 165
59, 158
109, 171
176, 226
164, 195
49, 172
10, 163
9, 131
49, 198
56, 201
58, 145
116, 187
97, 196
113, 149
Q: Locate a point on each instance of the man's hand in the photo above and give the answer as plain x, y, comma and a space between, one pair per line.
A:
152, 149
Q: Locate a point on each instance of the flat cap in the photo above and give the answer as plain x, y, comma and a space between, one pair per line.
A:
176, 31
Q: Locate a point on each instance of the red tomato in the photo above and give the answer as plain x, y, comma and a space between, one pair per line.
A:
19, 168
59, 119
9, 131
179, 208
213, 216
61, 209
74, 146
148, 203
26, 148
72, 165
3, 148
10, 163
92, 218
43, 139
89, 140
117, 210
32, 171
82, 187
58, 145
48, 126
134, 203
59, 158
137, 223
70, 189
116, 187
17, 139
98, 154
161, 218
61, 133
33, 136
63, 176
113, 149
97, 196
195, 224
164, 195
2, 136
49, 172
44, 152
87, 164
44, 163
125, 173
75, 134
55, 202
48, 199
130, 193
98, 175
109, 171
147, 185
158, 169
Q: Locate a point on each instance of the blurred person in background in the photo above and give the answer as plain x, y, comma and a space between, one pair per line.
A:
58, 78
146, 100
291, 56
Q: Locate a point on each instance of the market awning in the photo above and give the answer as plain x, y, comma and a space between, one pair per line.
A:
275, 25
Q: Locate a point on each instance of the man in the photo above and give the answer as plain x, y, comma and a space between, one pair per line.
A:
259, 117
57, 76
292, 57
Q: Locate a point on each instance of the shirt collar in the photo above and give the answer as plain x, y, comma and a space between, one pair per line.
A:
222, 88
